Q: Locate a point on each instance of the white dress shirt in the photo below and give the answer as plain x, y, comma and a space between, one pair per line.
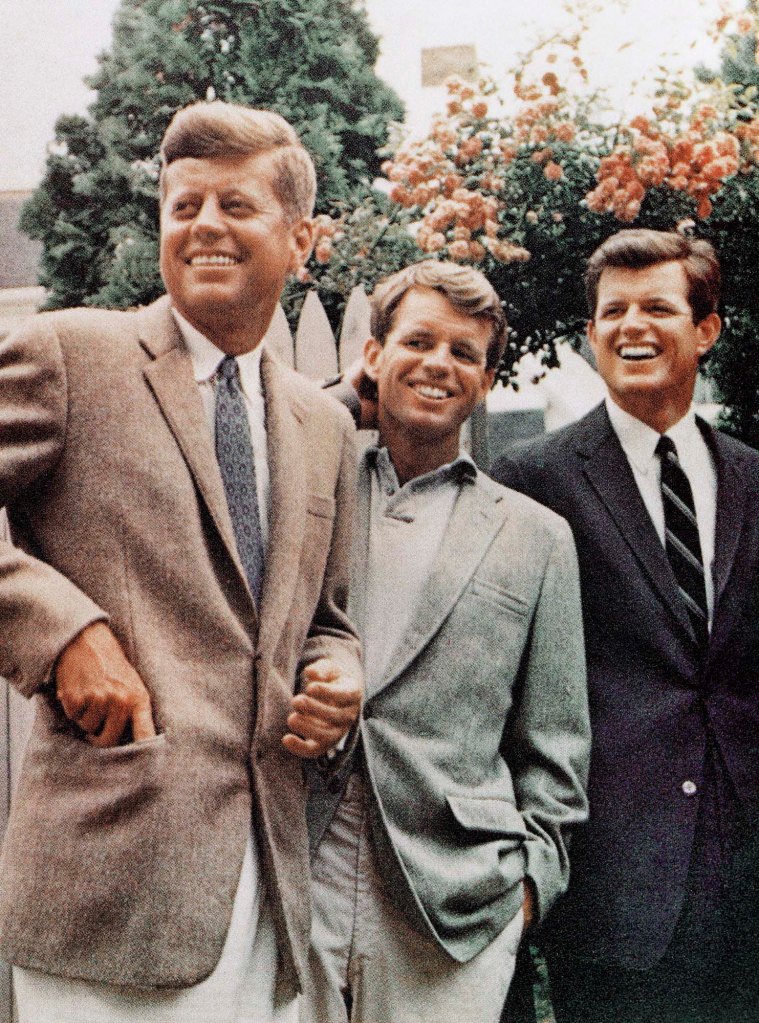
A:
639, 442
205, 358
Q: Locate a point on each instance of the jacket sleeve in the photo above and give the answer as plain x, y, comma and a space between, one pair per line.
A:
40, 609
547, 743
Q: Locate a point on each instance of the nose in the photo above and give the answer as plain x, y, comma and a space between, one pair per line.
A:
209, 220
438, 359
633, 319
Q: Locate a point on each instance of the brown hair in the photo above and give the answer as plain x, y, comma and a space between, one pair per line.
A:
217, 129
637, 248
466, 288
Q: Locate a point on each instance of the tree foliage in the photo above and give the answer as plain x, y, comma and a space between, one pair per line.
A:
310, 60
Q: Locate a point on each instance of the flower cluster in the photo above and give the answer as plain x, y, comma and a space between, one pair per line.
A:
459, 179
696, 161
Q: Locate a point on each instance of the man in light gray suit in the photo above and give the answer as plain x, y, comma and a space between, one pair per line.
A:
447, 830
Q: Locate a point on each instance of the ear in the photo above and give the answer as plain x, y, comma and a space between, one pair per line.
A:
708, 331
372, 355
488, 379
301, 242
592, 335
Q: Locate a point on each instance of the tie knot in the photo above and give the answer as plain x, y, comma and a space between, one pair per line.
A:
665, 447
228, 369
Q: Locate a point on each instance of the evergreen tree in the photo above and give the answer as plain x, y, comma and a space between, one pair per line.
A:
312, 61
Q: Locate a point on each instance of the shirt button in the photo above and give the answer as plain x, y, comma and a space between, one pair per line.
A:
689, 788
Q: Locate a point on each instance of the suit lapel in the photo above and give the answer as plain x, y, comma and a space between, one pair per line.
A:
360, 551
608, 472
477, 516
288, 498
731, 511
171, 379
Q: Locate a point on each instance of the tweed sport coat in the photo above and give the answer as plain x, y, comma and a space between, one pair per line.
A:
653, 699
476, 739
121, 865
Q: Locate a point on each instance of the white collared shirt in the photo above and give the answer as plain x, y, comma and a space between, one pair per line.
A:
205, 358
639, 442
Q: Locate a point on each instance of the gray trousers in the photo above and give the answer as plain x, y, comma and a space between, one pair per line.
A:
367, 965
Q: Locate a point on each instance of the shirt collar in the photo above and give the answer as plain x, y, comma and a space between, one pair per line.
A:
460, 470
639, 440
205, 358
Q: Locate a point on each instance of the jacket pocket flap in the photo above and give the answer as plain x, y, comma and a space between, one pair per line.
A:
486, 813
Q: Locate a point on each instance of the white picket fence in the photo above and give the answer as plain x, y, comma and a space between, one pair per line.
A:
315, 351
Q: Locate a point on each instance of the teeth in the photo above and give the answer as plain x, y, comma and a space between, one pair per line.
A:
430, 392
638, 351
213, 261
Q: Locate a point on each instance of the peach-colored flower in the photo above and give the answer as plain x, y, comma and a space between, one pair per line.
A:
480, 108
476, 251
704, 207
531, 217
553, 171
462, 234
401, 195
565, 131
323, 250
459, 250
435, 242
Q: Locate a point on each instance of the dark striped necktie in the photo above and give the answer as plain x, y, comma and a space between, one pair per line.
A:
234, 453
681, 537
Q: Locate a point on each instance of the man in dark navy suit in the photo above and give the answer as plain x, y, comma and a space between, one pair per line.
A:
659, 923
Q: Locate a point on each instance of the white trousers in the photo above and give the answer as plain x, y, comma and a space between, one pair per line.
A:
241, 989
367, 965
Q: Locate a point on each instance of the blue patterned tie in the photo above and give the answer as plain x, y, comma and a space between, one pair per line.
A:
234, 453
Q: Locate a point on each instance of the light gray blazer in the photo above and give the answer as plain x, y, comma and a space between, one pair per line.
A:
476, 740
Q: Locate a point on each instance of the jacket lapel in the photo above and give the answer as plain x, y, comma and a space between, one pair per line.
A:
360, 550
731, 511
608, 472
288, 498
171, 379
477, 516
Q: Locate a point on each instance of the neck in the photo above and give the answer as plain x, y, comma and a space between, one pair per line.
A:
659, 416
413, 458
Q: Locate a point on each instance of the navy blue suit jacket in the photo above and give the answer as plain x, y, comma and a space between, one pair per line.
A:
653, 697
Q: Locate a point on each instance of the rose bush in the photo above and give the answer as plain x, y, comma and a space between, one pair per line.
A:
525, 181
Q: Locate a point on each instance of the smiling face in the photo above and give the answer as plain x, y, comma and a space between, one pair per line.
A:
646, 345
227, 246
430, 374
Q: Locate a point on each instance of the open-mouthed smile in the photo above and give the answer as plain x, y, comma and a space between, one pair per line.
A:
213, 259
431, 392
638, 351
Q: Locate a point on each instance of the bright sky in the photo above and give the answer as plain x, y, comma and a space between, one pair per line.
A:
47, 46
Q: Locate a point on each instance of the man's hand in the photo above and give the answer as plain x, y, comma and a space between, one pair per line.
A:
528, 904
323, 711
355, 375
99, 689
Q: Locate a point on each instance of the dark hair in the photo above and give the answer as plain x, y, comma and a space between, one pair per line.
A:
637, 248
217, 129
466, 288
